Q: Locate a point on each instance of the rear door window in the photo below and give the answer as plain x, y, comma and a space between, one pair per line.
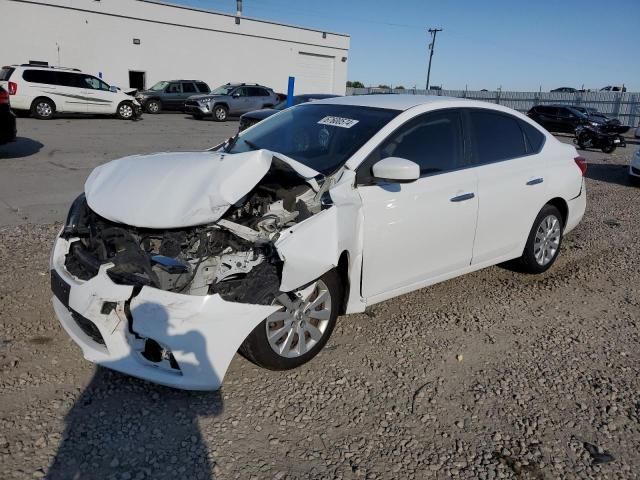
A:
497, 136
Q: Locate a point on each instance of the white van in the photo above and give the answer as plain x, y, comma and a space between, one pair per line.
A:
45, 90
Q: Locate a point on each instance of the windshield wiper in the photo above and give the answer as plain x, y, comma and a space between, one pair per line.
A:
252, 145
231, 143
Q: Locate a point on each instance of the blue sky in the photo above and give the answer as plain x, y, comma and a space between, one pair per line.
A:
519, 45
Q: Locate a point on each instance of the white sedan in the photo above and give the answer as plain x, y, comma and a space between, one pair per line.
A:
634, 167
171, 263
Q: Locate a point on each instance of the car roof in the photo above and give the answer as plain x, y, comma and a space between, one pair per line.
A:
394, 101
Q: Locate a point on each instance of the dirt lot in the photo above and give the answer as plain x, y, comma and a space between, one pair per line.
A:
492, 375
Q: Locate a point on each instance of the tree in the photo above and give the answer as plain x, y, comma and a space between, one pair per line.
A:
400, 87
384, 86
355, 84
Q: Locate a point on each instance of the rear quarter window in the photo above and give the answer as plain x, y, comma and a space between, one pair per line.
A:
5, 73
202, 87
40, 76
534, 137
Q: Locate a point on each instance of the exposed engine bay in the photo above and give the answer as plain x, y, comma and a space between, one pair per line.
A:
232, 257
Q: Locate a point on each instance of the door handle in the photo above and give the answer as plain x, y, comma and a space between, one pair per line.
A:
535, 181
463, 197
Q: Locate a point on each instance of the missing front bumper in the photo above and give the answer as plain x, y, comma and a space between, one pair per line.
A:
197, 336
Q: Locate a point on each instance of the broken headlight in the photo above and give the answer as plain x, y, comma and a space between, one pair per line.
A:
76, 217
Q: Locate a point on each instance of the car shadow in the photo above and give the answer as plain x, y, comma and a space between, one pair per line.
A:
21, 147
613, 173
122, 427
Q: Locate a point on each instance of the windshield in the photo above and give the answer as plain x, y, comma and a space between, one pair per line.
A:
223, 90
322, 137
159, 86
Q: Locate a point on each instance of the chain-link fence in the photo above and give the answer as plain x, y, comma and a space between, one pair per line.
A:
624, 106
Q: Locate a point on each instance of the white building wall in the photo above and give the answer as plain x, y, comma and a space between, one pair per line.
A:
175, 43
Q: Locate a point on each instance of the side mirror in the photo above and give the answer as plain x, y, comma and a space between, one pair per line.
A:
397, 170
236, 95
113, 89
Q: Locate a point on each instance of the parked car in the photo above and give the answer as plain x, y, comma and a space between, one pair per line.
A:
171, 262
44, 91
634, 168
564, 90
231, 99
251, 118
561, 118
637, 132
170, 95
7, 119
614, 88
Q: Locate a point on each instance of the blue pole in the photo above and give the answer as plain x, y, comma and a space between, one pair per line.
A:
292, 82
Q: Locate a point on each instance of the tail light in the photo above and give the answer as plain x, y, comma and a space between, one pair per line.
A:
13, 88
581, 162
4, 97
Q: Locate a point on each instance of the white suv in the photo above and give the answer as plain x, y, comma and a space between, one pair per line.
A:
44, 90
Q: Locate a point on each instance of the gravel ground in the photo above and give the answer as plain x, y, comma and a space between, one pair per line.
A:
491, 375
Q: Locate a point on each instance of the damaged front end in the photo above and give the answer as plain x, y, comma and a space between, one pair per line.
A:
172, 303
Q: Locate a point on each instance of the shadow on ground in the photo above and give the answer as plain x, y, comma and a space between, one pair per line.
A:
610, 173
22, 147
122, 428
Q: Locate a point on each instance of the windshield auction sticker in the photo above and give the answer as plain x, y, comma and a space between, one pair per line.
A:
338, 122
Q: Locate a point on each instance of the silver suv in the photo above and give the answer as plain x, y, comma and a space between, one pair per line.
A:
231, 99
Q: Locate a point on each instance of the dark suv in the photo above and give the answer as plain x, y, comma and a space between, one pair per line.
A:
560, 118
170, 95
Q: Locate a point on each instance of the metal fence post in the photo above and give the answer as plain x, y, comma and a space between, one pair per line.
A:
617, 104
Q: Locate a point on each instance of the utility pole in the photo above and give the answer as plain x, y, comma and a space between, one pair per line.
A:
432, 45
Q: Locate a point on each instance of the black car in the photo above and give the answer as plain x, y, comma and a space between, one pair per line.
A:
7, 119
251, 118
564, 90
170, 95
561, 118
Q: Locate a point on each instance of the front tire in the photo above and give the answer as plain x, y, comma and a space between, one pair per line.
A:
544, 241
220, 113
153, 106
125, 111
43, 109
300, 329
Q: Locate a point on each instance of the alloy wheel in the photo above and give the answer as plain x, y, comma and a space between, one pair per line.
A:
125, 111
44, 109
301, 322
547, 240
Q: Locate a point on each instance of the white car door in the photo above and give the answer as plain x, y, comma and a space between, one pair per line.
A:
419, 232
99, 98
511, 183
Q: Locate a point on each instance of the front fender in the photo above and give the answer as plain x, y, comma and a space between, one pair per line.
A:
309, 249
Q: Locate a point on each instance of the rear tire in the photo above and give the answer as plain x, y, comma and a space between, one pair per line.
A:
153, 106
544, 241
43, 109
609, 148
220, 113
297, 319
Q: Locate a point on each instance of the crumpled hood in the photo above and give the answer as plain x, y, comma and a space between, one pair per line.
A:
173, 190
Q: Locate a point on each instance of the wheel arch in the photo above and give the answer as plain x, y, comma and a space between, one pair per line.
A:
561, 204
43, 97
224, 104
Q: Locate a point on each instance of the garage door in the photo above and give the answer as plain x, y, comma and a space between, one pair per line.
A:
314, 73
